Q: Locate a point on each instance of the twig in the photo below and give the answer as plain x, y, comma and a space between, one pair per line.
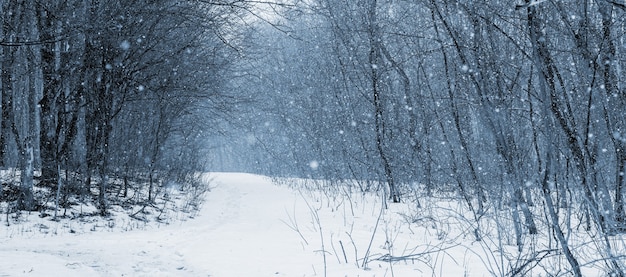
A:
293, 225
391, 258
536, 258
382, 208
356, 253
134, 215
334, 250
319, 225
344, 251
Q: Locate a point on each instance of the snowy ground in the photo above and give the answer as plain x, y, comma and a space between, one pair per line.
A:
249, 226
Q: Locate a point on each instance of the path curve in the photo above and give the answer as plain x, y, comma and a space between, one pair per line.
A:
239, 232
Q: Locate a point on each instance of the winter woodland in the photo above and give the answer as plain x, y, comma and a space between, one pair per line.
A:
515, 112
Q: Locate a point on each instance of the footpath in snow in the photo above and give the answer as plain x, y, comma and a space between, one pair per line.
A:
238, 232
248, 226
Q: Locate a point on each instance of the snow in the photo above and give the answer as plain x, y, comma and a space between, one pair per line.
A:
125, 45
238, 233
252, 225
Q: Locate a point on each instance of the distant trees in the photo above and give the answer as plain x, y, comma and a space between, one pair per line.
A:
95, 91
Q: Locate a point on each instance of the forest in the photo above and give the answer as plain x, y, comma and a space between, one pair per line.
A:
103, 97
506, 106
517, 107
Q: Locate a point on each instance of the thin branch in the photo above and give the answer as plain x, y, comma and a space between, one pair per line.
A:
29, 43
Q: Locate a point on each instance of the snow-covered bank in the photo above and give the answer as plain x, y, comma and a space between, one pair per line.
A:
249, 226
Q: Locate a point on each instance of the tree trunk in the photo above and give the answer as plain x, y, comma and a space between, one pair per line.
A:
616, 105
50, 55
26, 200
25, 85
620, 215
375, 60
547, 91
481, 195
554, 221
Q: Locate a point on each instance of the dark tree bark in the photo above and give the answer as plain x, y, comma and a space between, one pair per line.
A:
375, 63
50, 55
548, 90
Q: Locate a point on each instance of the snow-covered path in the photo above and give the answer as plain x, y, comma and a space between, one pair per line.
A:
249, 226
239, 232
